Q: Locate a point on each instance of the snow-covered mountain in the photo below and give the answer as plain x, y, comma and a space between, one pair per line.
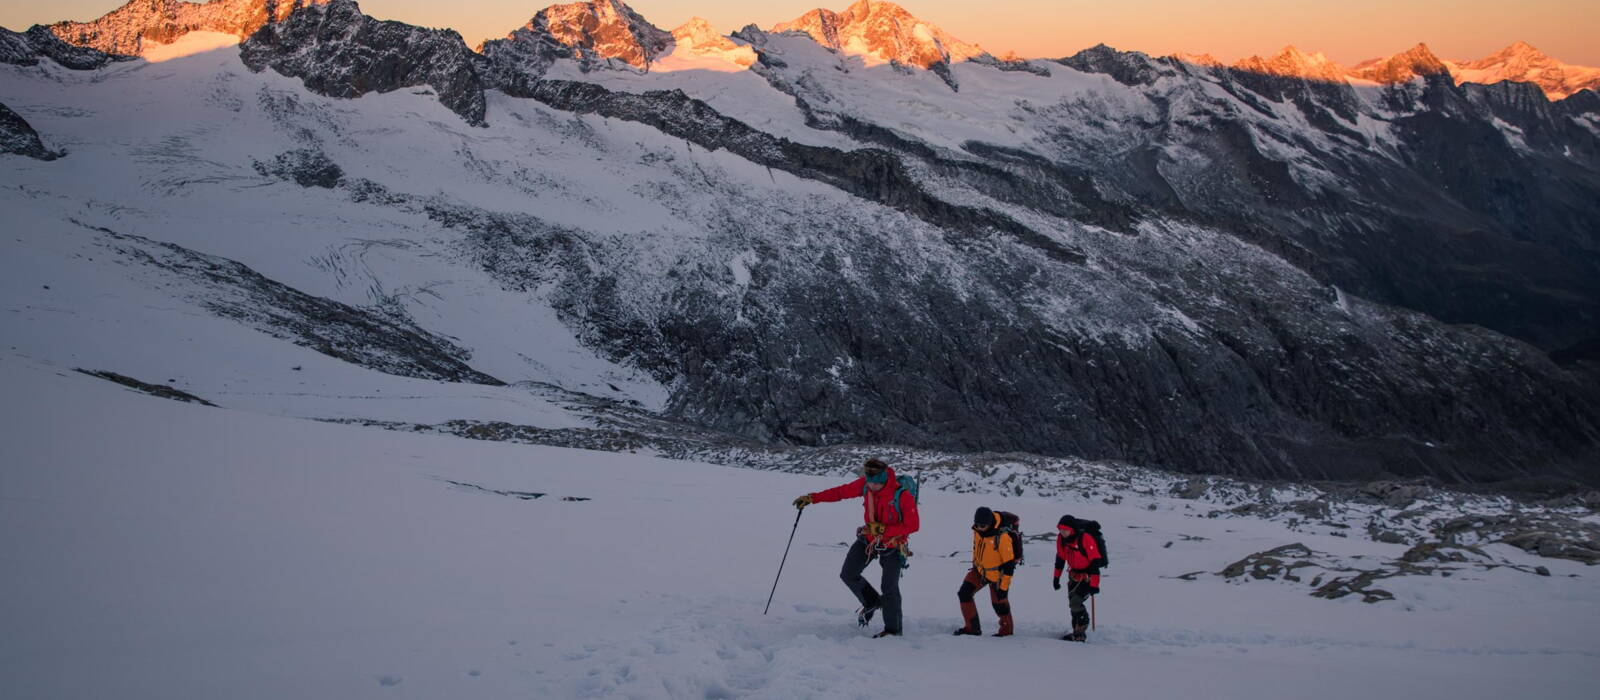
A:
1111, 256
603, 30
695, 44
1408, 65
1518, 62
881, 32
132, 28
1291, 62
1522, 63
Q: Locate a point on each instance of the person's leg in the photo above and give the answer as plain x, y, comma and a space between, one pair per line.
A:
892, 563
1001, 600
1076, 595
854, 563
969, 609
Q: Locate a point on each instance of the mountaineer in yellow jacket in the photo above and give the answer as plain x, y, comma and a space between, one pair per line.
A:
994, 560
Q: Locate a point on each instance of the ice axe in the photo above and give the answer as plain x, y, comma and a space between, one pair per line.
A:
801, 511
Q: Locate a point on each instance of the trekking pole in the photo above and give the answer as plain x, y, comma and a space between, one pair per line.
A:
1092, 599
785, 560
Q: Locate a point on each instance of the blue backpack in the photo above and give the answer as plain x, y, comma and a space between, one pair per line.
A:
908, 484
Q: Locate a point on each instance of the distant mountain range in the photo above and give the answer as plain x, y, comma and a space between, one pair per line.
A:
852, 227
883, 31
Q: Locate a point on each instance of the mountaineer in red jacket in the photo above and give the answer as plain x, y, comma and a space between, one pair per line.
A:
891, 516
1077, 550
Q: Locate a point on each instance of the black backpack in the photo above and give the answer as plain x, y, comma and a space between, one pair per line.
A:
1092, 528
1010, 524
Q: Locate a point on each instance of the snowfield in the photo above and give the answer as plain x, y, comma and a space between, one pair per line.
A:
163, 550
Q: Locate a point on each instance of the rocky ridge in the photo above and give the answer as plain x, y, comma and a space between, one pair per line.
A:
18, 137
26, 48
126, 29
340, 52
597, 33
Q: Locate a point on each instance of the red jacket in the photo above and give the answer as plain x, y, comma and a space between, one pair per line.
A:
1078, 551
877, 506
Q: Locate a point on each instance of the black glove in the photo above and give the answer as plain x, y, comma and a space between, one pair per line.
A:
1056, 583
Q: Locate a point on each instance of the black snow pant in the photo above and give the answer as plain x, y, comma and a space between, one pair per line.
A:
1077, 594
889, 600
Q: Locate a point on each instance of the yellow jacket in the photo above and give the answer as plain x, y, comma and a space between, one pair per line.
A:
990, 554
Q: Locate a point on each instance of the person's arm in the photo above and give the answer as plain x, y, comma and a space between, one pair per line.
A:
909, 520
1091, 549
840, 492
1008, 559
1061, 563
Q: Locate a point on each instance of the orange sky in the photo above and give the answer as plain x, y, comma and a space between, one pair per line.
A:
1348, 31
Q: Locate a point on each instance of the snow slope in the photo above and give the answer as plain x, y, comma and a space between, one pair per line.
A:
158, 550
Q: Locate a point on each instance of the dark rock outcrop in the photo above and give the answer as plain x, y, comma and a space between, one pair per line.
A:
1130, 68
1547, 534
382, 342
160, 390
26, 48
306, 167
340, 52
18, 137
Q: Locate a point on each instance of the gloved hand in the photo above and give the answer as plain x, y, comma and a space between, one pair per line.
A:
1056, 583
875, 528
803, 501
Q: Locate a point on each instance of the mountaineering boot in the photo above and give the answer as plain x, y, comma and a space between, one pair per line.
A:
1079, 633
885, 633
1005, 626
864, 615
969, 612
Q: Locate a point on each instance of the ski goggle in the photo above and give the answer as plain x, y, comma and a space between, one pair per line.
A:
870, 471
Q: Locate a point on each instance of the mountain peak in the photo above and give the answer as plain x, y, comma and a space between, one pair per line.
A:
1417, 61
696, 39
126, 29
1521, 62
1293, 62
1199, 59
606, 29
882, 31
1521, 54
